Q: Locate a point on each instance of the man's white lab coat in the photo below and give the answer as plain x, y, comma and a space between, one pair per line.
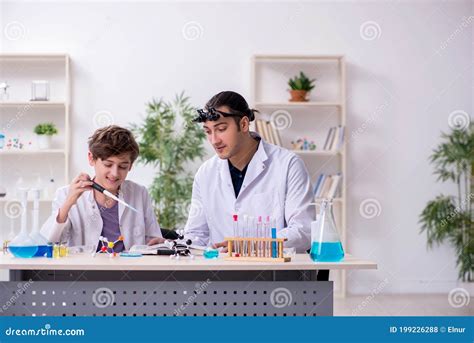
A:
276, 184
84, 223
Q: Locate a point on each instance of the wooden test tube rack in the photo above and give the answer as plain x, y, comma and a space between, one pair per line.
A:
255, 249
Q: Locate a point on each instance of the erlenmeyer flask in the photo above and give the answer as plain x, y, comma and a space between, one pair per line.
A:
22, 245
325, 243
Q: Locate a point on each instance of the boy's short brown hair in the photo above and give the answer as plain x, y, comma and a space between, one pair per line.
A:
113, 140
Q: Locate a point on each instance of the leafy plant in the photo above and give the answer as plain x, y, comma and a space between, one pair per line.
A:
46, 129
450, 218
168, 145
301, 83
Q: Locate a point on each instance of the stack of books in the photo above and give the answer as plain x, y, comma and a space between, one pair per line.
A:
266, 130
334, 139
327, 186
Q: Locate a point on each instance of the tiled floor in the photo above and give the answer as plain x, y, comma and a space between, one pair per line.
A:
401, 305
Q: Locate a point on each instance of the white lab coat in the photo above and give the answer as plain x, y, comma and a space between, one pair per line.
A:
84, 223
276, 184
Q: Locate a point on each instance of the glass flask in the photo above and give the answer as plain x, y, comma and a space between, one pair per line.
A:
326, 245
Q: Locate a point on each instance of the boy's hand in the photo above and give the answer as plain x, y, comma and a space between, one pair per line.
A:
79, 185
156, 240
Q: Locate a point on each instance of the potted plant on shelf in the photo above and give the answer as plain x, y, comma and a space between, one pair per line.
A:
300, 86
44, 133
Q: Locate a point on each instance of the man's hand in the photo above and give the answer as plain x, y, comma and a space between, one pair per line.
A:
156, 240
222, 245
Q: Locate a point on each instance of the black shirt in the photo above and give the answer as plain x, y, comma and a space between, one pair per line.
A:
237, 177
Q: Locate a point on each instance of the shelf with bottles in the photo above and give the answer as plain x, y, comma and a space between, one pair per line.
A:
34, 80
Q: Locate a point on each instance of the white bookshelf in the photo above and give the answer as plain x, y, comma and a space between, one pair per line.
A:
19, 115
327, 103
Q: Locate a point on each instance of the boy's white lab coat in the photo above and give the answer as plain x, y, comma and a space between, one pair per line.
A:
276, 184
84, 223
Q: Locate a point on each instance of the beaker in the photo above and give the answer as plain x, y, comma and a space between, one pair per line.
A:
325, 243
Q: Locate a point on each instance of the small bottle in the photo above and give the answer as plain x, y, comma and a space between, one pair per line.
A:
56, 253
63, 250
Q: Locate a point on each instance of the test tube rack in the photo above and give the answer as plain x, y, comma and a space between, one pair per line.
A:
256, 249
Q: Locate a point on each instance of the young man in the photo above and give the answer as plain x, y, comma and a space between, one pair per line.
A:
248, 176
81, 214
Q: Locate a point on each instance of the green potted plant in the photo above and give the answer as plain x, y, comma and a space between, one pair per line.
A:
44, 133
300, 86
450, 217
168, 140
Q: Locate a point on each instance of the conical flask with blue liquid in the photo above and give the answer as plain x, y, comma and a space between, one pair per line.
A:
326, 245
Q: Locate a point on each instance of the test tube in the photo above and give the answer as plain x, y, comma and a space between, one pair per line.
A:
267, 235
274, 235
244, 234
251, 234
258, 235
235, 229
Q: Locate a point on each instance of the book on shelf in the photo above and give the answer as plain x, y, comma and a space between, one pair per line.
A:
334, 139
268, 132
327, 186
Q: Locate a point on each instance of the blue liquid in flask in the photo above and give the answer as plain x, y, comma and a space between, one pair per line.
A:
42, 251
23, 251
328, 252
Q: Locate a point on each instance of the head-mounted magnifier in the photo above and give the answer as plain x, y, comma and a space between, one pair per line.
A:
212, 114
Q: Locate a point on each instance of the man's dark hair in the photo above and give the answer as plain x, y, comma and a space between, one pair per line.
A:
236, 104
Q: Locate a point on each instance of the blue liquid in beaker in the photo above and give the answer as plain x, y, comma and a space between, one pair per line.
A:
211, 253
42, 251
23, 251
328, 252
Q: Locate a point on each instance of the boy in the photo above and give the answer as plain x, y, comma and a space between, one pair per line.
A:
81, 214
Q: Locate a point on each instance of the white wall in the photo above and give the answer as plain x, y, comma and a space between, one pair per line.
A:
401, 92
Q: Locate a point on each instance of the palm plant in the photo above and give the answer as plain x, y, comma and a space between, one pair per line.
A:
450, 218
168, 145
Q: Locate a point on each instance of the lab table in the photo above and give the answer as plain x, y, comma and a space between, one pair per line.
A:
82, 285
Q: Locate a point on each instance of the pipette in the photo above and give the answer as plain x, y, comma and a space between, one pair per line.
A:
101, 189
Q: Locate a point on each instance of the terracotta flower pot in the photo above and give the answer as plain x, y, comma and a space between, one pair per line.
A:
298, 95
